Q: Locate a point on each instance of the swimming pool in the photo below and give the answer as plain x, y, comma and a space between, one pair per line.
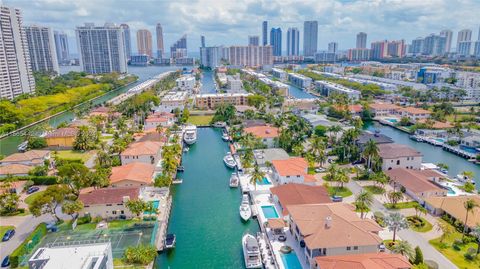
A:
264, 181
468, 149
451, 191
155, 207
269, 212
392, 120
290, 261
441, 140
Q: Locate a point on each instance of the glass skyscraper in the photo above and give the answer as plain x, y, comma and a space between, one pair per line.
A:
310, 36
276, 41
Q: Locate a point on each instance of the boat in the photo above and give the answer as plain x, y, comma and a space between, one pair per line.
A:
416, 138
245, 209
229, 161
234, 181
190, 135
219, 124
225, 137
23, 146
251, 252
464, 179
180, 168
170, 241
443, 170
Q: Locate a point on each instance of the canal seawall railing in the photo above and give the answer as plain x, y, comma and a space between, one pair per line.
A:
162, 227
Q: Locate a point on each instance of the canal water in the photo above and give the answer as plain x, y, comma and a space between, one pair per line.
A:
298, 93
9, 144
208, 83
431, 154
204, 216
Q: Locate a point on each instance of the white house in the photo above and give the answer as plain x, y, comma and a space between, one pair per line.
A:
293, 170
108, 203
164, 119
399, 156
148, 152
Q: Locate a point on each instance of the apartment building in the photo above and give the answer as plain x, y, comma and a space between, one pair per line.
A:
212, 100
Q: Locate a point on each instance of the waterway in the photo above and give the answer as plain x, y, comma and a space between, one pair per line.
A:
431, 154
9, 144
205, 216
298, 93
208, 82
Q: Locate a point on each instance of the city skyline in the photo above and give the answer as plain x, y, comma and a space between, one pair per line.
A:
240, 19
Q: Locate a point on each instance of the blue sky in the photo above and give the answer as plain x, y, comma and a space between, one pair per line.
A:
230, 22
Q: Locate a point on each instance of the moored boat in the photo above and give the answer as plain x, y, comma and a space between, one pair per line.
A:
251, 252
170, 241
225, 136
190, 135
229, 161
245, 209
234, 181
464, 179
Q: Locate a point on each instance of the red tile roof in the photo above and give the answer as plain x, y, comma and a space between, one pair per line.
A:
414, 181
26, 156
296, 194
63, 132
414, 110
108, 195
263, 131
136, 171
364, 261
383, 106
15, 169
393, 151
296, 166
142, 148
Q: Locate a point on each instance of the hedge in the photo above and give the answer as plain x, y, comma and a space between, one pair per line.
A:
38, 180
36, 236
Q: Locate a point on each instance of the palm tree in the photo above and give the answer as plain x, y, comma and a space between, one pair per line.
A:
363, 201
342, 177
370, 151
257, 175
396, 222
332, 171
468, 174
395, 197
419, 209
404, 248
469, 205
334, 129
445, 228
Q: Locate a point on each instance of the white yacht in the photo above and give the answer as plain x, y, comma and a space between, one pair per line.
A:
225, 137
464, 179
251, 252
245, 209
234, 181
229, 161
190, 135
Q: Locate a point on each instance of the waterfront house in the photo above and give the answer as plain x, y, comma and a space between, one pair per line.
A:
264, 156
399, 156
30, 158
366, 136
15, 170
134, 174
301, 106
418, 184
414, 114
148, 152
268, 134
453, 206
436, 124
332, 229
292, 170
364, 261
105, 112
355, 110
62, 137
164, 119
108, 203
383, 109
299, 194
172, 100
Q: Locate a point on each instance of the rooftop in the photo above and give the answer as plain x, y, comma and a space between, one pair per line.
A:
291, 167
63, 132
15, 169
378, 138
297, 194
26, 156
414, 181
383, 106
454, 206
142, 148
393, 151
364, 261
415, 110
108, 195
263, 131
333, 225
135, 171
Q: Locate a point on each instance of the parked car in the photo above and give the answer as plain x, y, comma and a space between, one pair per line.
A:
282, 238
319, 170
8, 234
32, 189
6, 261
337, 198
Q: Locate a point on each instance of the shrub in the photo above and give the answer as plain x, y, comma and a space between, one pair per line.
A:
418, 256
379, 218
141, 254
84, 219
456, 246
469, 256
96, 219
25, 247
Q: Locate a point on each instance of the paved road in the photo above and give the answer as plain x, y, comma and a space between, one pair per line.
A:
414, 238
23, 227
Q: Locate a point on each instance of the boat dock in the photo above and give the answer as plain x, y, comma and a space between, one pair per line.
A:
459, 152
436, 142
162, 226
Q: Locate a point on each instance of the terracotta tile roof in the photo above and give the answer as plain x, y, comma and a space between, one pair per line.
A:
297, 194
155, 119
26, 156
63, 132
364, 261
14, 185
163, 115
291, 167
142, 148
263, 131
135, 171
393, 151
454, 206
414, 181
438, 124
355, 108
415, 110
108, 195
383, 106
101, 109
276, 223
15, 169
345, 228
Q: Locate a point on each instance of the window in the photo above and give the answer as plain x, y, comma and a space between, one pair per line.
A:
114, 212
109, 204
355, 248
122, 212
398, 162
348, 248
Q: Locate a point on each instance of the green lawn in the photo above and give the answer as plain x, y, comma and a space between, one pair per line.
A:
401, 205
200, 120
426, 227
122, 224
456, 256
118, 263
73, 154
374, 189
3, 229
340, 191
29, 200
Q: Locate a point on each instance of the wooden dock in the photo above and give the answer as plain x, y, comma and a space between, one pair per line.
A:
163, 226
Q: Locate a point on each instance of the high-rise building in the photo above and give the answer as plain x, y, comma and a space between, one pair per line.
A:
41, 47
276, 41
211, 56
476, 50
144, 42
293, 41
253, 40
417, 46
463, 35
448, 39
101, 48
128, 40
434, 45
333, 47
202, 41
179, 48
464, 48
396, 48
361, 40
16, 76
310, 37
379, 49
160, 47
358, 55
61, 46
251, 56
264, 33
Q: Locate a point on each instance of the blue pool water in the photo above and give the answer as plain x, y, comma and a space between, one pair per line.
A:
468, 149
269, 212
290, 261
392, 120
451, 191
440, 140
155, 206
264, 181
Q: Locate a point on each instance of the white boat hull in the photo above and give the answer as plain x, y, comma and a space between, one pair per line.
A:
245, 213
189, 141
252, 259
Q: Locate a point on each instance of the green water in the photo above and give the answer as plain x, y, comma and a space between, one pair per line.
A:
205, 214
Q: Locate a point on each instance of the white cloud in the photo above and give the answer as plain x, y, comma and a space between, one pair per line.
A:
231, 21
